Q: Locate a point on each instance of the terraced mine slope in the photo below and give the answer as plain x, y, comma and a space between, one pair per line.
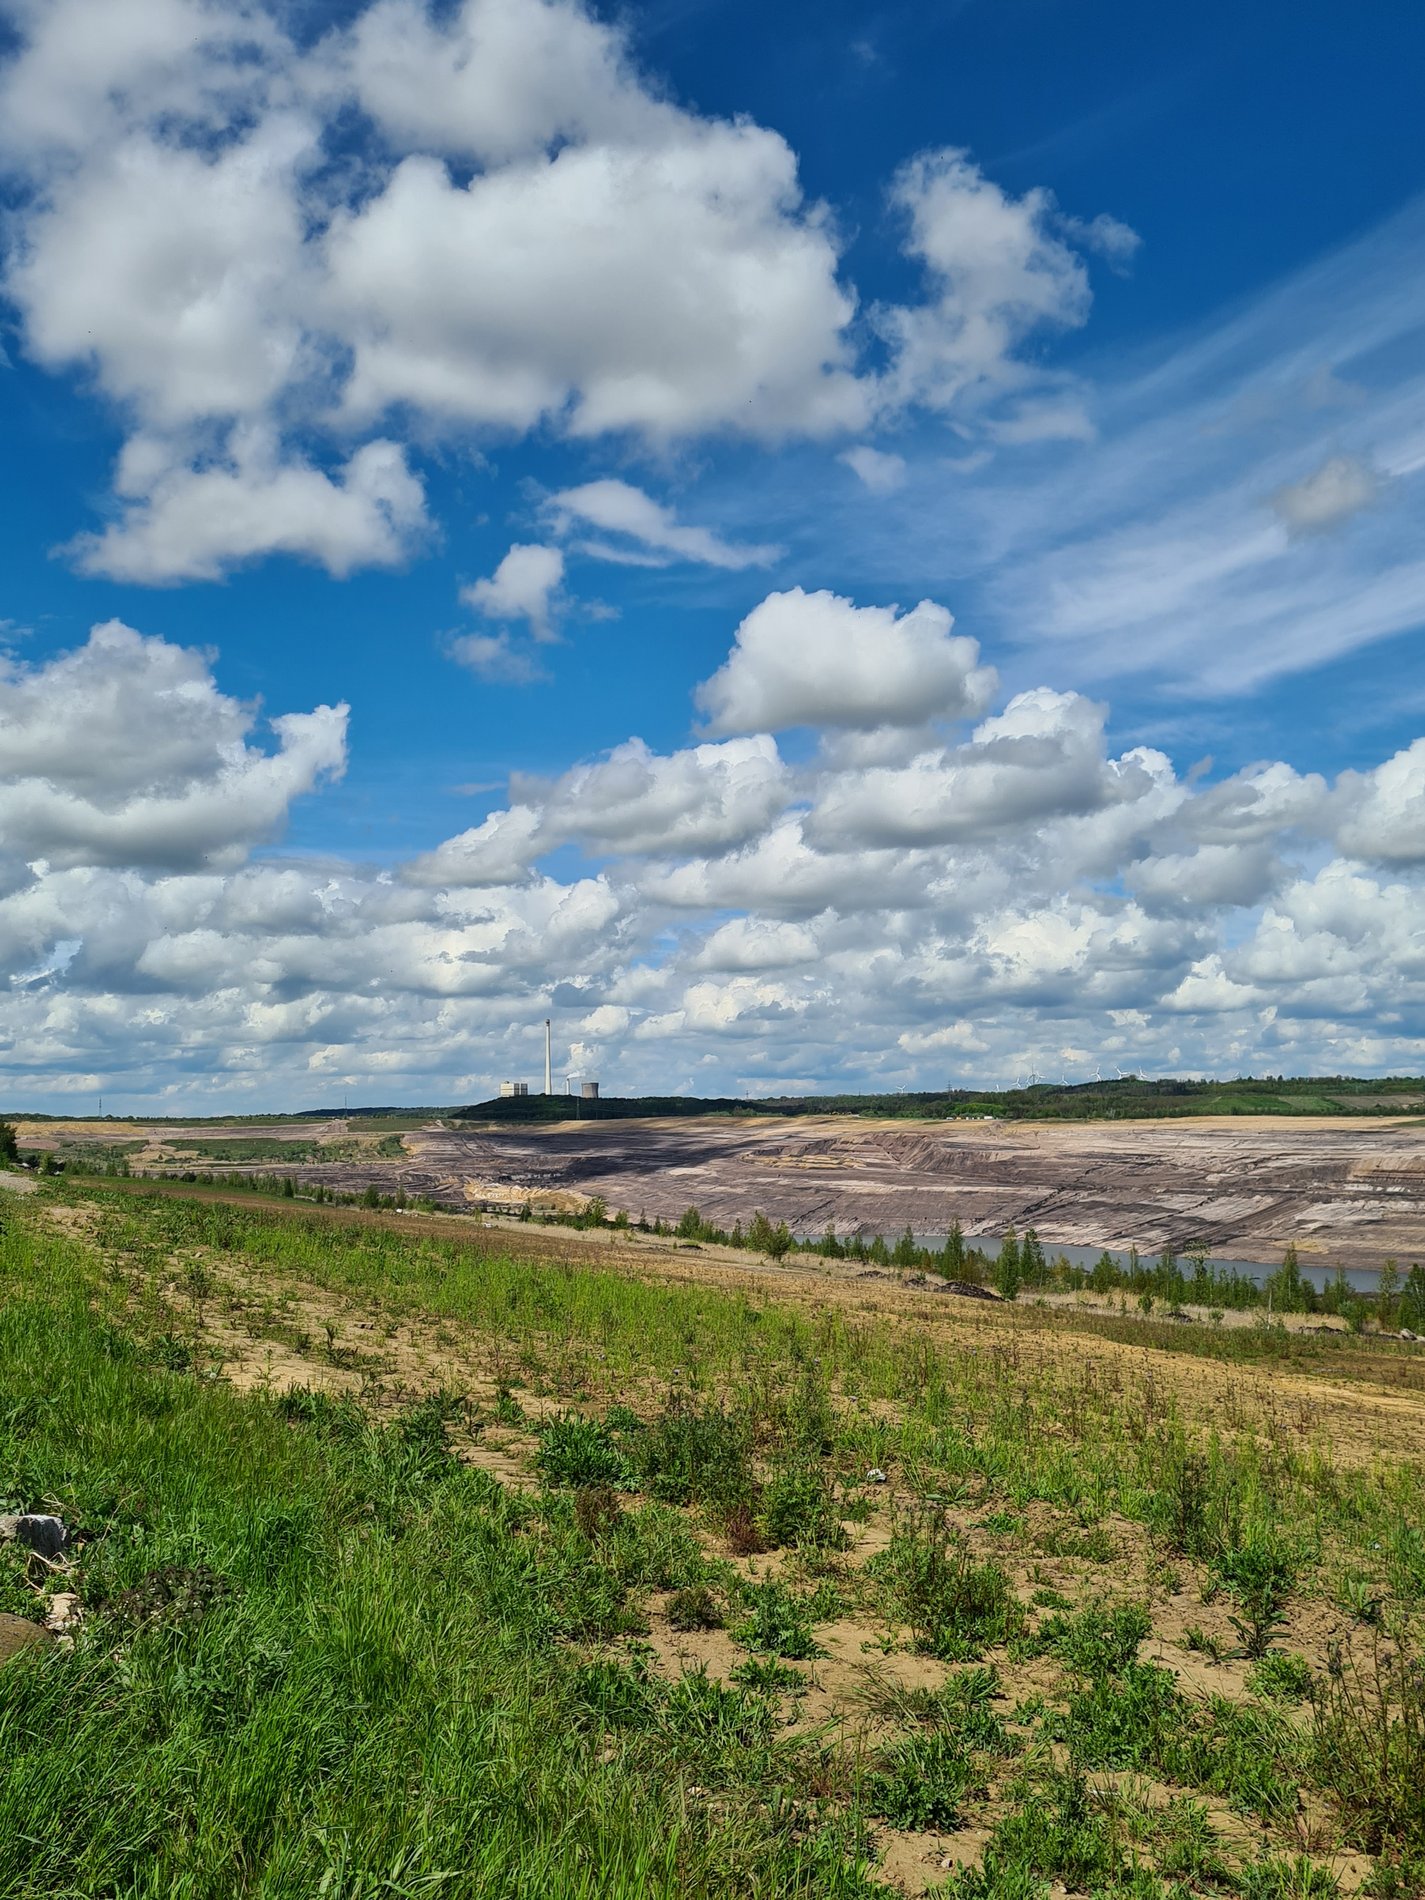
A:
1348, 1192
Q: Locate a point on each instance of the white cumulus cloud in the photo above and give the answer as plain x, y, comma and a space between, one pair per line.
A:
819, 660
449, 221
1022, 896
124, 752
524, 587
876, 469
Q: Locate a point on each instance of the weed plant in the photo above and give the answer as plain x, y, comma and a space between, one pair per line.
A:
1096, 1642
1368, 1745
779, 1622
955, 1607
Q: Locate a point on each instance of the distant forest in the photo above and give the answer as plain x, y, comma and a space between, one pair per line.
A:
1127, 1098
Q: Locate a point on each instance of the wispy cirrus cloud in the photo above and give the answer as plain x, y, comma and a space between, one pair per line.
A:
637, 531
1232, 508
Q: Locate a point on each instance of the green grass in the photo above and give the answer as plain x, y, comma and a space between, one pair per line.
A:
381, 1690
323, 1656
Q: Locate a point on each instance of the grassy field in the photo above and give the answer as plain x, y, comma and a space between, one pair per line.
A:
414, 1561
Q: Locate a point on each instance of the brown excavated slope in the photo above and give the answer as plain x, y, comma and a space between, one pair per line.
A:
1346, 1192
1343, 1192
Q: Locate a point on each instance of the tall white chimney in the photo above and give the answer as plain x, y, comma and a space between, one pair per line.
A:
548, 1068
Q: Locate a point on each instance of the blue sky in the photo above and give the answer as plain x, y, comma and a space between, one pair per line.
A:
575, 405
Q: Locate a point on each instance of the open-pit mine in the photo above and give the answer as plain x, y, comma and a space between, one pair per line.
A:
1347, 1192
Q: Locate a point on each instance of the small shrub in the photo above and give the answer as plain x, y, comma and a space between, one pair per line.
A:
1259, 1572
1045, 1598
1368, 1744
508, 1410
579, 1451
1001, 1523
1252, 1754
922, 1781
1294, 1879
1055, 1834
597, 1512
694, 1608
1128, 1720
1359, 1599
703, 1712
655, 1548
778, 1622
1202, 1643
1185, 1843
1284, 1676
1397, 1877
1178, 1509
956, 1608
742, 1531
615, 1694
692, 1454
1096, 1642
959, 1707
798, 1508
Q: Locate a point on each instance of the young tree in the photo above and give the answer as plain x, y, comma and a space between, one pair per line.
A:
9, 1146
1032, 1266
1007, 1267
759, 1233
906, 1253
1388, 1293
1286, 1289
952, 1260
1412, 1300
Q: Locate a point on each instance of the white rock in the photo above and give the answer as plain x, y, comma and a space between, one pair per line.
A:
63, 1611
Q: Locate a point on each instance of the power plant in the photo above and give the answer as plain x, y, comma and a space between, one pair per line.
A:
588, 1091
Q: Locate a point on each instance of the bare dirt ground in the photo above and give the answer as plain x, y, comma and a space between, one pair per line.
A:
1347, 1193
